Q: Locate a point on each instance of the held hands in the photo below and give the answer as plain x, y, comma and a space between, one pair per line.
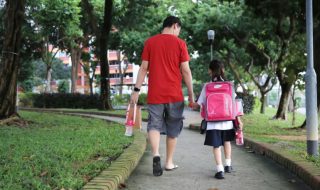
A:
192, 103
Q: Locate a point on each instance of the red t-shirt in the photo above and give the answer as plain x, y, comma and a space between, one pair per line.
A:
165, 53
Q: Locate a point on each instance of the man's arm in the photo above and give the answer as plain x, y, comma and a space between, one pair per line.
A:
140, 78
187, 77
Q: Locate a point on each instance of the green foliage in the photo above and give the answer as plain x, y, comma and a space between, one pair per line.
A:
263, 124
65, 100
248, 102
143, 99
57, 151
120, 100
257, 104
63, 86
26, 99
262, 128
59, 70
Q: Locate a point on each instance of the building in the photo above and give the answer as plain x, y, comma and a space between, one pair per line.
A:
115, 69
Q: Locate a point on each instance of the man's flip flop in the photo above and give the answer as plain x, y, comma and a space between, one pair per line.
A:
171, 169
157, 170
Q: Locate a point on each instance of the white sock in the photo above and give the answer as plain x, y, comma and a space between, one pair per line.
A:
228, 162
220, 168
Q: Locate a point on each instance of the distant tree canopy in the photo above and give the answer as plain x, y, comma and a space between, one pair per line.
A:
255, 39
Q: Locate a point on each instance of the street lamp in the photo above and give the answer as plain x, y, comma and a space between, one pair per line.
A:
311, 88
211, 38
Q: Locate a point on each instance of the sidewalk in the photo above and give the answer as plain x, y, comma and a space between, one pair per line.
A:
197, 168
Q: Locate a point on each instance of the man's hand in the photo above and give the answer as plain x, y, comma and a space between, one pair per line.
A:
194, 105
134, 97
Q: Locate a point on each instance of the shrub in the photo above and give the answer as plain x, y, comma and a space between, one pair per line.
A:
120, 100
248, 102
257, 104
26, 99
66, 100
63, 86
142, 99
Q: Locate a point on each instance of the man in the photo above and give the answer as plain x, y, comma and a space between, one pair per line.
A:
166, 58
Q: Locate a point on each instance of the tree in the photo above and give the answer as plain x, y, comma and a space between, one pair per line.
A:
9, 60
89, 67
101, 30
285, 22
57, 31
63, 86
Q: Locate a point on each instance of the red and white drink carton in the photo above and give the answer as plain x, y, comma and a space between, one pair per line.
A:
130, 120
239, 137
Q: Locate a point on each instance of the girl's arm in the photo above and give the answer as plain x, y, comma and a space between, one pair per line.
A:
240, 122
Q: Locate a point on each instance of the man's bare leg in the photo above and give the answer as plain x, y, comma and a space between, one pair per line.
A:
154, 139
171, 146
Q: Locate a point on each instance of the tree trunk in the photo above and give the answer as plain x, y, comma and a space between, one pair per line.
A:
91, 85
13, 17
104, 66
294, 102
263, 102
121, 72
284, 100
48, 85
75, 59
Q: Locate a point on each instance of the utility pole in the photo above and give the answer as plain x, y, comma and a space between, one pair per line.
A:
311, 88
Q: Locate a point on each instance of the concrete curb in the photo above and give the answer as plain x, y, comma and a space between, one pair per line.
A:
120, 169
115, 175
75, 112
303, 169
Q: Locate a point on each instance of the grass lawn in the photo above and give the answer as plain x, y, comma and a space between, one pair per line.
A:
116, 112
57, 151
262, 128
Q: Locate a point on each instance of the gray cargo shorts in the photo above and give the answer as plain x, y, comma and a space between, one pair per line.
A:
166, 118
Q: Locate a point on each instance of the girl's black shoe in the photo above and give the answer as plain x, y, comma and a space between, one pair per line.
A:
219, 175
228, 169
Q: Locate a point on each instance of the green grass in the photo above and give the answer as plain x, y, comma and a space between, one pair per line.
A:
260, 124
116, 112
57, 151
262, 128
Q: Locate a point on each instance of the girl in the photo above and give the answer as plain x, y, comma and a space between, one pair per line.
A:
219, 133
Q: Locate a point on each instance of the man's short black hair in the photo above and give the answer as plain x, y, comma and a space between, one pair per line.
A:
171, 20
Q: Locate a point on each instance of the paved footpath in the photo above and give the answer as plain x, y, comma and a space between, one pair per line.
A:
196, 167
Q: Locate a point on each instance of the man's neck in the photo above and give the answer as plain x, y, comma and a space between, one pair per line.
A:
168, 31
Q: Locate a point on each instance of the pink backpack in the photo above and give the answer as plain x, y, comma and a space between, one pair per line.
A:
220, 102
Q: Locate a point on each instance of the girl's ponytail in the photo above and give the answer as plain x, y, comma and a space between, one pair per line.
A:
217, 69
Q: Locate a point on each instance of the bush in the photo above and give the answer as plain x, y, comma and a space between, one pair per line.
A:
248, 102
120, 100
63, 86
26, 99
66, 100
142, 99
257, 104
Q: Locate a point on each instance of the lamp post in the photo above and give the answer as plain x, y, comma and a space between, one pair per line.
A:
311, 88
211, 38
